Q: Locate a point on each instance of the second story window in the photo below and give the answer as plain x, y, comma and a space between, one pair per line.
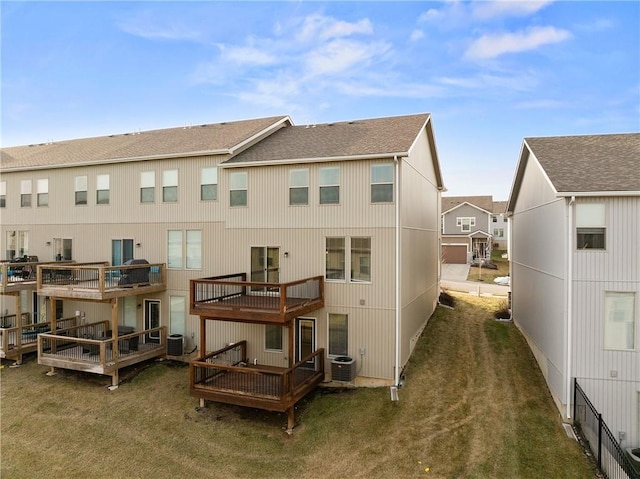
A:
238, 188
299, 187
25, 193
360, 259
330, 185
382, 183
148, 187
465, 224
80, 190
590, 226
170, 186
102, 189
3, 194
209, 183
42, 186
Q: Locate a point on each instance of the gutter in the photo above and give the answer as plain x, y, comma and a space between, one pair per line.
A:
324, 159
396, 378
569, 290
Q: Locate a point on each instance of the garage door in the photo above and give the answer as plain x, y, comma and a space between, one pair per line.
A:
454, 254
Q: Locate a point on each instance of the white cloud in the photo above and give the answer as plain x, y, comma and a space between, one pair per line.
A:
248, 56
491, 46
506, 8
319, 27
416, 35
342, 56
522, 81
153, 29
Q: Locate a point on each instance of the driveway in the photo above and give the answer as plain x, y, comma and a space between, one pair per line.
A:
454, 277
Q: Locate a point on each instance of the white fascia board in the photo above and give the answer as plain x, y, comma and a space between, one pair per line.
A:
469, 204
569, 194
276, 126
324, 159
111, 161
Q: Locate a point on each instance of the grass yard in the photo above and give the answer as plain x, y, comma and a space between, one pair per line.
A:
487, 275
474, 405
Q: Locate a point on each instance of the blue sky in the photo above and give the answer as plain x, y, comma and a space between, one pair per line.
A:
491, 73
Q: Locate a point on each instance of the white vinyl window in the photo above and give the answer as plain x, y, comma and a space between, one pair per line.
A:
498, 232
299, 187
330, 185
590, 226
238, 188
338, 335
80, 189
194, 249
148, 187
102, 189
174, 249
17, 244
42, 188
465, 224
382, 183
177, 314
170, 186
335, 259
619, 321
25, 193
360, 259
3, 194
209, 183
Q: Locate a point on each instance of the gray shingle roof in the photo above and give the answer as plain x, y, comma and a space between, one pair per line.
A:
484, 202
379, 136
590, 163
216, 137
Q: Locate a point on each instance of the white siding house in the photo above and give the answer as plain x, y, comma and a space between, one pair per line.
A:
354, 203
574, 214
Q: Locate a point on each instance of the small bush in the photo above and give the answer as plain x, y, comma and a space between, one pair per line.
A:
447, 300
503, 312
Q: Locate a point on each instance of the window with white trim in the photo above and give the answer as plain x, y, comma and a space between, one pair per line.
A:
25, 193
80, 190
209, 183
184, 249
102, 189
335, 259
147, 187
360, 259
330, 185
465, 223
3, 194
170, 186
42, 188
382, 183
619, 321
299, 187
174, 249
17, 244
177, 314
238, 188
338, 334
590, 226
194, 249
498, 232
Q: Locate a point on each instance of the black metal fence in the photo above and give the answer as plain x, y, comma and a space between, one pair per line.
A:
611, 458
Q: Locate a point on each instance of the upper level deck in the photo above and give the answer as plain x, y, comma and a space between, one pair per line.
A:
233, 298
99, 281
18, 276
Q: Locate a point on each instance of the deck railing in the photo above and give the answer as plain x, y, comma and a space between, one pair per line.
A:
26, 335
92, 343
16, 275
227, 371
100, 277
235, 294
10, 320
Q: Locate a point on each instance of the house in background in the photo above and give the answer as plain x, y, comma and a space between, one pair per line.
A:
344, 216
574, 213
472, 226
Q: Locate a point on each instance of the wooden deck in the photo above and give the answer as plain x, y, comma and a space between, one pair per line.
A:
225, 376
16, 276
233, 298
90, 348
99, 281
18, 339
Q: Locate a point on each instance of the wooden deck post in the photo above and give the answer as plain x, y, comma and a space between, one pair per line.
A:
114, 331
19, 325
290, 419
203, 336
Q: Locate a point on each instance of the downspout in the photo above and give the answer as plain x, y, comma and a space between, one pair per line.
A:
397, 272
569, 290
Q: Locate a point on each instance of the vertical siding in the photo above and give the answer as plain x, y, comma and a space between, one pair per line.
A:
466, 211
611, 379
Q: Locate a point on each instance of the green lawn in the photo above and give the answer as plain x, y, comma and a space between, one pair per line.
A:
488, 275
474, 405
